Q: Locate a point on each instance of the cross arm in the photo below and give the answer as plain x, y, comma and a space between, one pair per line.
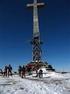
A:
30, 5
38, 4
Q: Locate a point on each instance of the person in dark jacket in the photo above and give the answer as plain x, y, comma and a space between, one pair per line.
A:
23, 71
5, 71
40, 73
1, 72
19, 70
10, 69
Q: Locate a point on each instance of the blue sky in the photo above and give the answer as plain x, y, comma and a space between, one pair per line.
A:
16, 33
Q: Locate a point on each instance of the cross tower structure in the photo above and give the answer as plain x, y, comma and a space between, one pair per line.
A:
36, 42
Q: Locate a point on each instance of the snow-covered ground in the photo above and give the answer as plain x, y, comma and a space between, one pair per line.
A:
52, 83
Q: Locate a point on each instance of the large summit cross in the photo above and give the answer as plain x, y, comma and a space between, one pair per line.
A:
35, 6
36, 52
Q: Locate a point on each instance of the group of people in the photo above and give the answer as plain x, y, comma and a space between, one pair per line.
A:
7, 71
39, 73
22, 70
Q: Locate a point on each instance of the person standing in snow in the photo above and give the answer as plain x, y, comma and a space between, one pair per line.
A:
40, 73
5, 71
1, 72
19, 70
29, 69
10, 69
23, 71
36, 73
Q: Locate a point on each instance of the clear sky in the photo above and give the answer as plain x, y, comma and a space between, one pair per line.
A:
16, 33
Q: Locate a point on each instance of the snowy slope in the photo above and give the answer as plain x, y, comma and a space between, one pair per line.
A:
54, 83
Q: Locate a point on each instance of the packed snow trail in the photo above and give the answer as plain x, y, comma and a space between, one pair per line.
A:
51, 85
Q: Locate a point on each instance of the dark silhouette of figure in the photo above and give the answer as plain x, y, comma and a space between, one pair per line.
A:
36, 73
29, 69
10, 69
23, 71
40, 73
5, 71
19, 70
1, 72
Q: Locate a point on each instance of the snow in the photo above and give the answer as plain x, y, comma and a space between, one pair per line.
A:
52, 83
50, 73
